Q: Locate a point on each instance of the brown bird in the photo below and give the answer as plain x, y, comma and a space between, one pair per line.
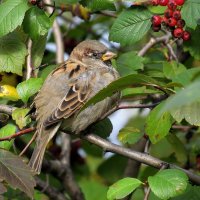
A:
67, 89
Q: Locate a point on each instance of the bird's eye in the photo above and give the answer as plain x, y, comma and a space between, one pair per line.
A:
95, 54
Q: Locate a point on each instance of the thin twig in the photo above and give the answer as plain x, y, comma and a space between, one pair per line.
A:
29, 143
154, 41
23, 132
29, 65
57, 36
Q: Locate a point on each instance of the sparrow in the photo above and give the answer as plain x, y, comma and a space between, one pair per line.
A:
64, 92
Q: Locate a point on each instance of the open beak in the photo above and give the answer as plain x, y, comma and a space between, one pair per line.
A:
108, 56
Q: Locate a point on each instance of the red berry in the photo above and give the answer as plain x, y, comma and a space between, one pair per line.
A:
178, 32
186, 36
168, 13
172, 22
33, 2
180, 23
156, 20
177, 14
164, 20
172, 5
163, 2
180, 2
156, 28
154, 2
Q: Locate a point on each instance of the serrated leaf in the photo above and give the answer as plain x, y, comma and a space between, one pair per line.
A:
36, 23
97, 5
28, 88
9, 92
157, 127
183, 97
38, 48
130, 26
11, 15
122, 188
188, 112
7, 130
12, 53
191, 12
16, 173
193, 44
128, 63
19, 115
178, 148
172, 69
130, 135
168, 183
121, 83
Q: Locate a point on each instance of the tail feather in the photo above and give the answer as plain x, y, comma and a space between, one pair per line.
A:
43, 138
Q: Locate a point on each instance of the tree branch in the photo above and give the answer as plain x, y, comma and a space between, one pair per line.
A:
57, 36
154, 41
7, 109
20, 133
138, 156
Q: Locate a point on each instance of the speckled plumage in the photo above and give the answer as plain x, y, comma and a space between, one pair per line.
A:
66, 90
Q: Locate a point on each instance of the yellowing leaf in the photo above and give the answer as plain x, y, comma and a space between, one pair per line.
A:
19, 115
9, 92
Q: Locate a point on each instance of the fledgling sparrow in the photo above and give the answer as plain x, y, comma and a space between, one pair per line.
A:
67, 89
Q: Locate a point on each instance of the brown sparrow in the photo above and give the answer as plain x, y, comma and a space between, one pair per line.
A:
67, 89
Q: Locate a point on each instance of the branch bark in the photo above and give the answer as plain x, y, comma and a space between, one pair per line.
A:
57, 36
138, 156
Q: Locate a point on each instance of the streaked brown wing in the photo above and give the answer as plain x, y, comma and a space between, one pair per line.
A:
76, 96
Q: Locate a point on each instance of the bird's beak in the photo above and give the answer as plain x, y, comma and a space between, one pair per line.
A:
108, 56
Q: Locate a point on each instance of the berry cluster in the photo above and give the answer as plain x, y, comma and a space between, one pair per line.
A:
171, 19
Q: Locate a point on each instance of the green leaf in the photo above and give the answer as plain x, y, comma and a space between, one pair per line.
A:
46, 71
172, 69
130, 135
192, 193
11, 15
97, 5
121, 83
183, 97
102, 128
28, 88
14, 171
19, 116
193, 44
131, 92
38, 48
178, 148
12, 53
186, 76
157, 127
7, 130
168, 183
131, 26
191, 12
98, 189
188, 112
36, 23
116, 173
129, 62
122, 188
